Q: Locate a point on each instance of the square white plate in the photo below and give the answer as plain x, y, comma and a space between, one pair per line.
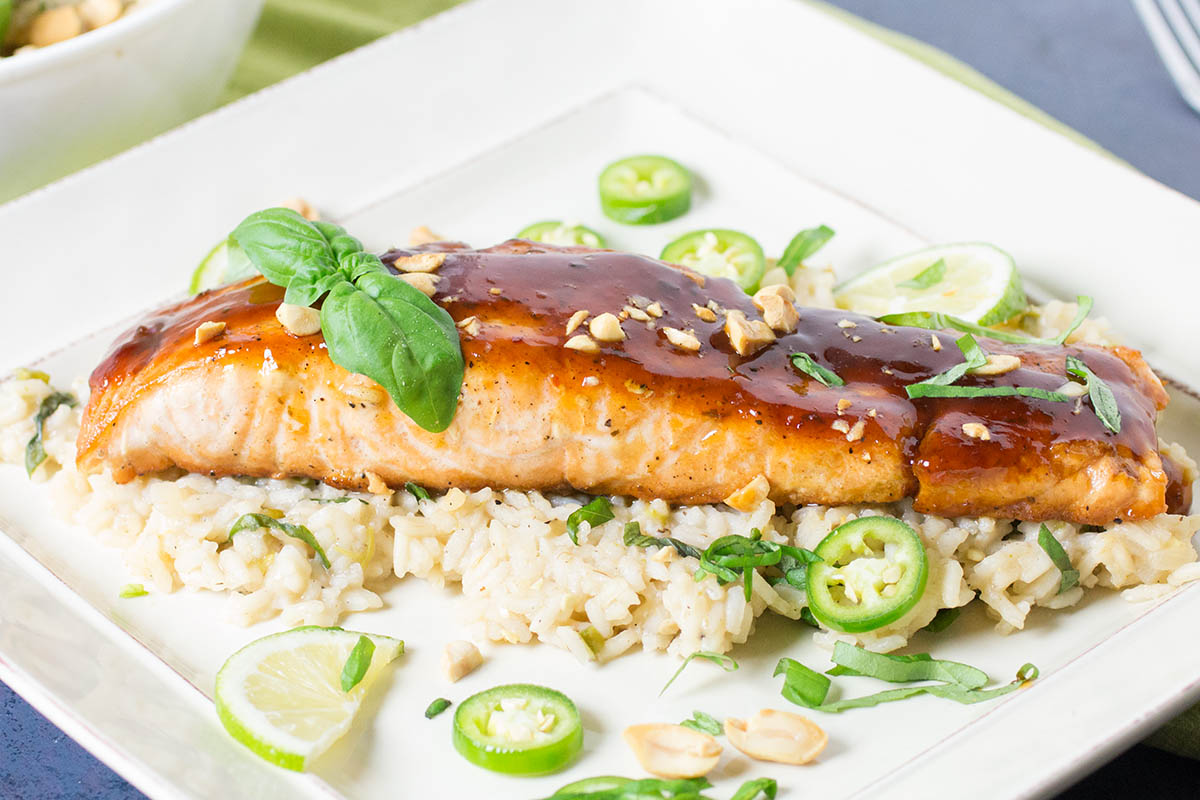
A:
472, 125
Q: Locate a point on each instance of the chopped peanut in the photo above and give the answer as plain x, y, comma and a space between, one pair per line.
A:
778, 306
935, 341
636, 313
422, 235
54, 26
779, 736
362, 389
655, 310
583, 343
684, 340
841, 426
847, 323
997, 364
460, 659
376, 484
298, 320
842, 405
977, 430
496, 290
207, 331
421, 262
423, 282
705, 313
470, 325
751, 495
673, 751
301, 207
606, 328
576, 320
856, 431
747, 336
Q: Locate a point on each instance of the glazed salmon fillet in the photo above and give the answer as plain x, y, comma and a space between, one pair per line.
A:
640, 416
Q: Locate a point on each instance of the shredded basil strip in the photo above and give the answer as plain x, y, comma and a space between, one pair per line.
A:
595, 513
357, 664
801, 685
635, 538
803, 245
932, 320
758, 787
255, 521
943, 620
35, 450
416, 491
132, 590
1054, 549
1104, 403
735, 557
437, 707
851, 660
705, 723
917, 390
930, 276
373, 323
806, 616
338, 500
720, 659
805, 363
973, 357
644, 789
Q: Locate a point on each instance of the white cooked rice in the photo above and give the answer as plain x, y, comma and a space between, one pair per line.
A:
522, 578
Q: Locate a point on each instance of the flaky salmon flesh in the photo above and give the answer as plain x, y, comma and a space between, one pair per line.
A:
647, 415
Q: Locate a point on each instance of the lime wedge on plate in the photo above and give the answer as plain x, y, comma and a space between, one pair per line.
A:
224, 264
282, 697
975, 281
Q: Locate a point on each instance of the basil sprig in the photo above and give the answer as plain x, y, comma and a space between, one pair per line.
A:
374, 323
803, 245
595, 513
248, 522
930, 276
1103, 401
1054, 549
35, 449
357, 664
961, 683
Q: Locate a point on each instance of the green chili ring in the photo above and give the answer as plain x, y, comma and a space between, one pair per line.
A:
518, 729
854, 588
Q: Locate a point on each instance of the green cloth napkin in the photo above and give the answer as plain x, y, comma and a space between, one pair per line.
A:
293, 35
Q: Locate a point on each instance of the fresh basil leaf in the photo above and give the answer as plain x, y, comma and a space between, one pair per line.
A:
943, 620
416, 491
132, 590
756, 788
291, 252
720, 659
851, 660
801, 685
358, 663
255, 521
1085, 307
1054, 549
930, 276
803, 245
383, 328
805, 363
705, 723
35, 449
634, 537
437, 707
595, 513
1104, 403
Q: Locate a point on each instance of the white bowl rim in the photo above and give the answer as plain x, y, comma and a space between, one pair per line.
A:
86, 44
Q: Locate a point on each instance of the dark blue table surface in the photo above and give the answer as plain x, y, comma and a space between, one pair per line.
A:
1086, 62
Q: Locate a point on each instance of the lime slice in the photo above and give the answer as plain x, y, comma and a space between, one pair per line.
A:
975, 281
281, 696
224, 264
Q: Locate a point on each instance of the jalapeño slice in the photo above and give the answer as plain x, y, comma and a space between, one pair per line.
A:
872, 572
518, 729
720, 253
643, 190
562, 233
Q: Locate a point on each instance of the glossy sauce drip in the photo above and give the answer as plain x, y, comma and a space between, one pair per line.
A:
534, 290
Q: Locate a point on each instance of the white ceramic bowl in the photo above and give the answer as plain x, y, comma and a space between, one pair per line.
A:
76, 102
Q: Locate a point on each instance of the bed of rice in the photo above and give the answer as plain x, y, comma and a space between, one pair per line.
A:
522, 578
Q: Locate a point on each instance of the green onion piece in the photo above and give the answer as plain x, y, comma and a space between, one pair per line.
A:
1054, 549
132, 590
917, 390
803, 245
705, 723
437, 707
592, 638
942, 620
416, 491
754, 789
804, 362
851, 660
720, 659
635, 538
930, 276
1103, 401
1085, 308
357, 664
801, 685
255, 521
35, 450
595, 513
